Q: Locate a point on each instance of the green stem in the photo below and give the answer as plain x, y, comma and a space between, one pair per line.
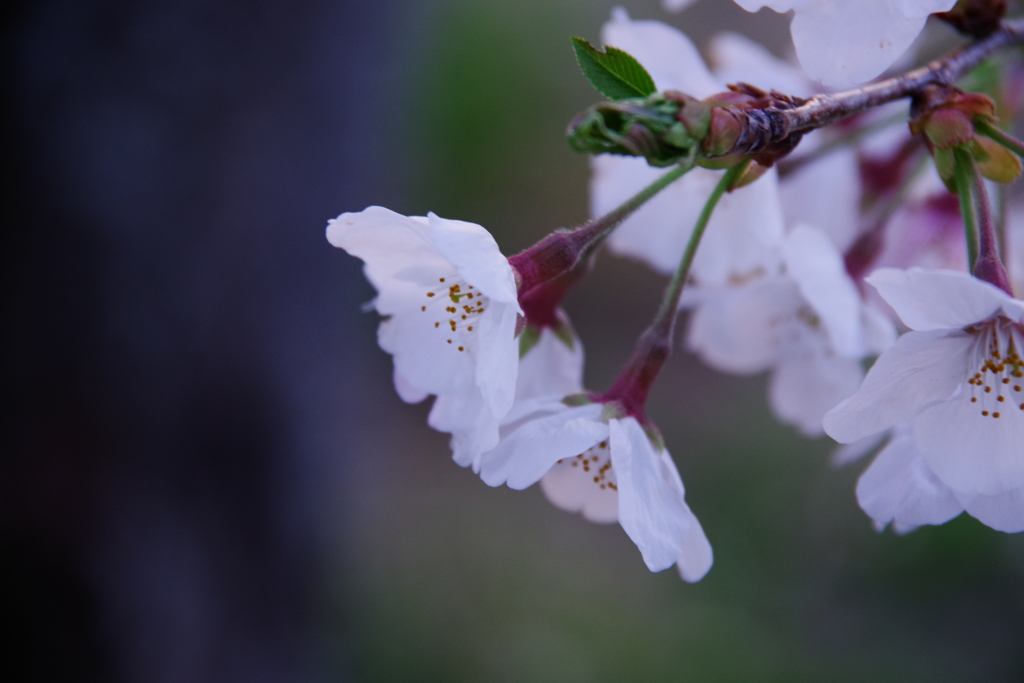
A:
652, 349
562, 250
962, 172
670, 301
1005, 139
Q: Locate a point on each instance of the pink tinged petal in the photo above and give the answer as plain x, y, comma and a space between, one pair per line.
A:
920, 369
735, 329
652, 510
937, 299
526, 454
1002, 512
819, 271
668, 55
474, 253
550, 368
971, 452
585, 484
802, 391
900, 488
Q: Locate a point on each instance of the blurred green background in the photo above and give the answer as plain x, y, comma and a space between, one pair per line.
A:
448, 580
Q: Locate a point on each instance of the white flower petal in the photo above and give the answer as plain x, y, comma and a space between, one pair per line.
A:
406, 391
652, 510
733, 329
585, 484
1003, 512
738, 59
825, 193
474, 253
938, 299
971, 452
802, 391
813, 261
550, 368
921, 368
845, 43
850, 452
498, 356
668, 55
526, 454
899, 487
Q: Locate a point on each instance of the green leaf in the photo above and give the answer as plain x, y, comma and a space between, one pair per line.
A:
528, 339
614, 73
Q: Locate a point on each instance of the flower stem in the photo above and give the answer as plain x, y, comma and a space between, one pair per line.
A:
1005, 139
655, 344
962, 178
989, 267
562, 250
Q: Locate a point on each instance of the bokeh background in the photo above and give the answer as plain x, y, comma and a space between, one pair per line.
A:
207, 475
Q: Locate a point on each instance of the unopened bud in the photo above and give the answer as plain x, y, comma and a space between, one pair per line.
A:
646, 128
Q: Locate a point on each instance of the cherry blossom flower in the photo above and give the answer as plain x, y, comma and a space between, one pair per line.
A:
846, 42
957, 380
449, 302
596, 460
804, 321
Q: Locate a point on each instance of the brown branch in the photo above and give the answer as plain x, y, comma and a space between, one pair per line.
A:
771, 127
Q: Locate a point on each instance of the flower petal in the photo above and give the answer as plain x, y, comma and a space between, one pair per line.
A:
899, 487
938, 299
970, 452
734, 329
846, 43
550, 368
526, 454
802, 391
919, 369
652, 510
817, 266
474, 253
1003, 512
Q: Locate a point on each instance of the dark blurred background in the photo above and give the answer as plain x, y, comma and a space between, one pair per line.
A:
206, 474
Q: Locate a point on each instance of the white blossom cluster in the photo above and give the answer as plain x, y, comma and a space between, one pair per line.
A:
808, 273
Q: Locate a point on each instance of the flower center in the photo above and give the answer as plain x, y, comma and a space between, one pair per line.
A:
995, 369
454, 307
594, 465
